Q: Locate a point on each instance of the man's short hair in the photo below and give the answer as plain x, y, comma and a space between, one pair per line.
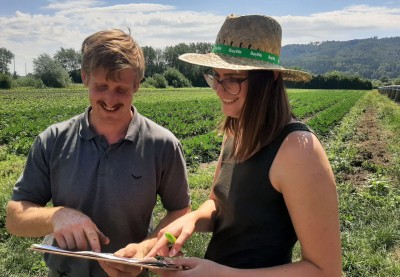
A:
112, 50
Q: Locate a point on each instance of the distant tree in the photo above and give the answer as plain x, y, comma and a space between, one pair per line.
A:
5, 81
176, 79
171, 54
50, 72
192, 72
70, 60
6, 57
333, 80
157, 81
385, 81
154, 61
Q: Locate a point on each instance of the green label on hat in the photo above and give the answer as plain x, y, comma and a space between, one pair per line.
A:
245, 53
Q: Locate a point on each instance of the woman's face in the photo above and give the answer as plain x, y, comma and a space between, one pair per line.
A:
232, 104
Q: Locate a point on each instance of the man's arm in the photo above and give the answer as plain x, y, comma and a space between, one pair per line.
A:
26, 219
71, 228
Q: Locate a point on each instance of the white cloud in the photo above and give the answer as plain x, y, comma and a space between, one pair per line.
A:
67, 5
29, 35
353, 22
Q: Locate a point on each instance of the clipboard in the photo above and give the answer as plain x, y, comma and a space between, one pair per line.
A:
150, 262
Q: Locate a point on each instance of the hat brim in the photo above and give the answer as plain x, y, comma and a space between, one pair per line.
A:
238, 63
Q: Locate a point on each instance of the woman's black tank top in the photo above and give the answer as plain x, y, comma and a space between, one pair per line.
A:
252, 228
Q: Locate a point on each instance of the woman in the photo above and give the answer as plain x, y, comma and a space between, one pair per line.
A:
273, 183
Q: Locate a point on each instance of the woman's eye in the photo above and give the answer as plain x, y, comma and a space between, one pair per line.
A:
231, 80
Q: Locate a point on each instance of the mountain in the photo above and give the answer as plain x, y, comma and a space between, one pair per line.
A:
370, 58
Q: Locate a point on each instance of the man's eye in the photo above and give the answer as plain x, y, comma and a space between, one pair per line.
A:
121, 91
102, 88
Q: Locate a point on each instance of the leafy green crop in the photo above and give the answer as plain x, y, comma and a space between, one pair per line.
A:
191, 114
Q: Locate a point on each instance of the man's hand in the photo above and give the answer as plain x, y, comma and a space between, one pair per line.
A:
74, 230
133, 250
120, 270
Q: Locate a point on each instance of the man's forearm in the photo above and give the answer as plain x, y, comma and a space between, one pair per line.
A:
27, 219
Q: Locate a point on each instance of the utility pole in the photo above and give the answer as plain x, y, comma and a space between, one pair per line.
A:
14, 73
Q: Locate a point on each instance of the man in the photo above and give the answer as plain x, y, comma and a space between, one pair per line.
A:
102, 169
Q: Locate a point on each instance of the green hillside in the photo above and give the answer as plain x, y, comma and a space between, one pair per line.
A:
371, 58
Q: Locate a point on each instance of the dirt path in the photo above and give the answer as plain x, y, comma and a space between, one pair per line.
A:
371, 141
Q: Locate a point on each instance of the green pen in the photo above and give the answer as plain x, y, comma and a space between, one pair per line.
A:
170, 237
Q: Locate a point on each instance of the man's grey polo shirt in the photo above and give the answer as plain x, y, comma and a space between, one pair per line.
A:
115, 185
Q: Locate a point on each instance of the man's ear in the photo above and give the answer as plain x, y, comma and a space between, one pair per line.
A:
136, 86
84, 77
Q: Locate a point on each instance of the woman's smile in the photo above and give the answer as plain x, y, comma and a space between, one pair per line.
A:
225, 100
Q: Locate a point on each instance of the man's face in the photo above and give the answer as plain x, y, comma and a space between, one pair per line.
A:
111, 100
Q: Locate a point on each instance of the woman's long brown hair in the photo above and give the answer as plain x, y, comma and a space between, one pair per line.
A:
265, 112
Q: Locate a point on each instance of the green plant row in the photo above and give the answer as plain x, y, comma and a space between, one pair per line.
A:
324, 120
306, 103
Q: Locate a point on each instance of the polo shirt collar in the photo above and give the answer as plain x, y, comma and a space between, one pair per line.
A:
88, 133
85, 131
134, 126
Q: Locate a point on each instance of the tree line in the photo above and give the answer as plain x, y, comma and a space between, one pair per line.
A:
334, 80
163, 69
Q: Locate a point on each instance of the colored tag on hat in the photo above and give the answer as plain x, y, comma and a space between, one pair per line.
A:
245, 53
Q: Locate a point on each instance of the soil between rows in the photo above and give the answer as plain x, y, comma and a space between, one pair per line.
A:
371, 142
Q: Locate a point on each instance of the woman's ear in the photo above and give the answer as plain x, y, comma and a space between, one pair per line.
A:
84, 77
276, 74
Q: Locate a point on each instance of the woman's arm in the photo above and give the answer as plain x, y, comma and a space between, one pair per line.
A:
302, 173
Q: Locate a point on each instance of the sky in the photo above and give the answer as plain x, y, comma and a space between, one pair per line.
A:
29, 28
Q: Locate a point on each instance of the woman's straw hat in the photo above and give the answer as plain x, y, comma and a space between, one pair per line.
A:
249, 42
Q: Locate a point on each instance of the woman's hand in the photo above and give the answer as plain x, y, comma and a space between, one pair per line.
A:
182, 229
194, 267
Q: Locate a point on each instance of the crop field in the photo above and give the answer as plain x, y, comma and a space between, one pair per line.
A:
191, 114
368, 180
